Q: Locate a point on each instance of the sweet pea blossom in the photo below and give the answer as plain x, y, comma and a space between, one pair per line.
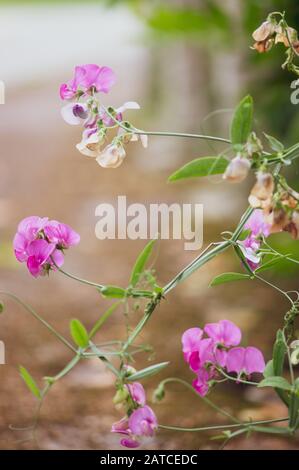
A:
224, 332
137, 393
140, 420
259, 227
86, 78
39, 242
143, 422
207, 357
61, 234
190, 341
74, 113
237, 170
245, 360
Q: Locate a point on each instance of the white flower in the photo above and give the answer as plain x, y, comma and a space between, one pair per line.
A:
128, 105
237, 170
112, 156
74, 113
91, 143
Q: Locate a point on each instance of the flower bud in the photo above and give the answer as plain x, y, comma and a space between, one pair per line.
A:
120, 396
129, 370
295, 357
237, 169
159, 393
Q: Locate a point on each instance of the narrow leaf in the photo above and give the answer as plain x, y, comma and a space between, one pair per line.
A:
79, 333
275, 382
269, 371
147, 371
30, 382
242, 121
204, 166
274, 143
141, 262
228, 277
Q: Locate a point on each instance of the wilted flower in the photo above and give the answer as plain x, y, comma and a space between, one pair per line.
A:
86, 78
288, 36
263, 36
112, 156
39, 242
237, 169
262, 191
92, 141
264, 31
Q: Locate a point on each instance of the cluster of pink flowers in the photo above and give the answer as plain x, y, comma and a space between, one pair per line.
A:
40, 243
140, 421
218, 351
259, 228
86, 109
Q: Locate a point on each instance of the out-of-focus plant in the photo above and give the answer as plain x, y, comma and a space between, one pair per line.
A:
213, 352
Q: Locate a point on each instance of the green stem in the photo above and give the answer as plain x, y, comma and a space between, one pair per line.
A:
79, 279
40, 319
223, 426
134, 130
204, 399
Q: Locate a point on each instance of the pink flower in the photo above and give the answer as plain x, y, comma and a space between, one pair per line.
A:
224, 332
39, 252
201, 383
130, 442
249, 248
39, 242
245, 360
143, 422
137, 393
257, 224
61, 234
86, 77
190, 341
203, 354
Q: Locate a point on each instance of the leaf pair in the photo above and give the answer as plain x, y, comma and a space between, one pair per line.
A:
240, 129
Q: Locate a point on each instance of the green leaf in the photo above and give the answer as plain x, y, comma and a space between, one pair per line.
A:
269, 371
113, 292
275, 382
228, 277
275, 145
242, 121
269, 264
204, 166
1, 307
279, 352
147, 371
141, 262
79, 333
30, 382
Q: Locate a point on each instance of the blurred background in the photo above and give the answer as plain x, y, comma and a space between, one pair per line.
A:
181, 60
